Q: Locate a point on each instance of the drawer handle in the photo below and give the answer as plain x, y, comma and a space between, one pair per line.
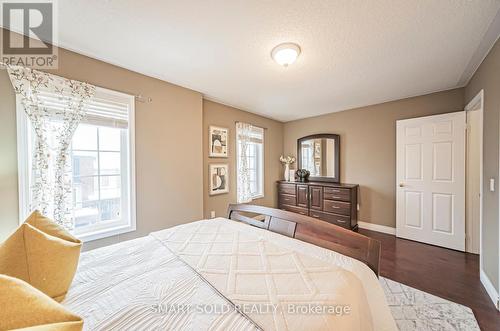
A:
336, 191
340, 221
335, 207
314, 215
336, 197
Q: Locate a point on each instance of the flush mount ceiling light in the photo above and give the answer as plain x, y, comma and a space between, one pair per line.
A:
285, 54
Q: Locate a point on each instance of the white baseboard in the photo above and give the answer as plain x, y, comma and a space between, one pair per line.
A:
490, 289
377, 227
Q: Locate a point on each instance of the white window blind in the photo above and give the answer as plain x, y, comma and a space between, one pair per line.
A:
256, 135
107, 108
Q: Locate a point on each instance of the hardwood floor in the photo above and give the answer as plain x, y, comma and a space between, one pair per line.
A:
443, 272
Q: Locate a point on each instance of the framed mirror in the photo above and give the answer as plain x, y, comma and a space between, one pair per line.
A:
320, 154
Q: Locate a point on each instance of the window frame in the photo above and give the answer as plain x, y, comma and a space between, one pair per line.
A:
25, 163
259, 162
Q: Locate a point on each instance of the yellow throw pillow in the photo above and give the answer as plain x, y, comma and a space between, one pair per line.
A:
43, 254
48, 226
25, 307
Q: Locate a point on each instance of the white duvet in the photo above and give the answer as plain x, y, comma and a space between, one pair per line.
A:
224, 275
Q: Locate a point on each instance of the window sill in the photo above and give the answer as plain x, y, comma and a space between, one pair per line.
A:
260, 196
104, 233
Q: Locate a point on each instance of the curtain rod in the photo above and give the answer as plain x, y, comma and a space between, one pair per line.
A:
236, 122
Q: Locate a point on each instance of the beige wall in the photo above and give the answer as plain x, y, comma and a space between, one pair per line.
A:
8, 158
368, 146
172, 143
487, 77
169, 178
224, 116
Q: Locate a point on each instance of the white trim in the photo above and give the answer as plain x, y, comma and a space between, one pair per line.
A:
24, 168
478, 103
132, 226
478, 99
260, 157
104, 233
377, 227
483, 49
490, 289
131, 131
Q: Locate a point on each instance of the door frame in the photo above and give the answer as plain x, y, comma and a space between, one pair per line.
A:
477, 104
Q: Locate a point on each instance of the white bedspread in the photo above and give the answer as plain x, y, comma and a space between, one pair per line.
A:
255, 267
141, 285
189, 276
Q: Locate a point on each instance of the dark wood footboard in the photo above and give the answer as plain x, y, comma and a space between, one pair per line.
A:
311, 230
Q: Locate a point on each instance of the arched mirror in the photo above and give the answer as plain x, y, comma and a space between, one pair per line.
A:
320, 155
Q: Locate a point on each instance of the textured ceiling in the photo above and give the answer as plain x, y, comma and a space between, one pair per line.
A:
354, 53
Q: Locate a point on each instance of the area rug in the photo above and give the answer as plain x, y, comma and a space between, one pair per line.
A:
417, 310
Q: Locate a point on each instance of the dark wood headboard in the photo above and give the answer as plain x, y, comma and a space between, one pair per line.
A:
311, 230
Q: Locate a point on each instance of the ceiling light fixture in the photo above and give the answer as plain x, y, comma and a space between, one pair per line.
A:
285, 54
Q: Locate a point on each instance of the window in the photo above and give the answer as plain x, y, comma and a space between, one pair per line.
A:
307, 156
101, 167
255, 160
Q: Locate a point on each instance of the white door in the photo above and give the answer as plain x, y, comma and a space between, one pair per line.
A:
430, 157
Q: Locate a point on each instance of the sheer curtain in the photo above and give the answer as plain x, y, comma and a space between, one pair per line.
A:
53, 128
243, 137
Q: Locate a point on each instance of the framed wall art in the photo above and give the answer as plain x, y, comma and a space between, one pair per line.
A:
219, 179
217, 139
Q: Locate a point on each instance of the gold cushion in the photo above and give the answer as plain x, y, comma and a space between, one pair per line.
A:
24, 307
48, 226
43, 254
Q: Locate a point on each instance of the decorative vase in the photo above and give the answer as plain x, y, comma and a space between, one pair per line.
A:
287, 172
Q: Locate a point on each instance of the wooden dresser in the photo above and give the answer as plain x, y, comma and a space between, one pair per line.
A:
331, 202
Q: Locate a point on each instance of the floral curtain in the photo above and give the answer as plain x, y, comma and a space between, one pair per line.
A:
53, 128
243, 134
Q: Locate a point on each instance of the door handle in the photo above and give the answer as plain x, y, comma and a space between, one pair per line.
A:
401, 185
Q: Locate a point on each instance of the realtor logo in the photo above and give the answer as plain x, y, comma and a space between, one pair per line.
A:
28, 34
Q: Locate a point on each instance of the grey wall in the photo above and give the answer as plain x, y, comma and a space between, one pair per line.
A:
487, 77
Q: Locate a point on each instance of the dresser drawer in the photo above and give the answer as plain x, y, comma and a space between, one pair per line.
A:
332, 193
287, 189
337, 207
298, 210
340, 220
287, 199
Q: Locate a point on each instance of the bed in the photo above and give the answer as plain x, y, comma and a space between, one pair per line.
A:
258, 269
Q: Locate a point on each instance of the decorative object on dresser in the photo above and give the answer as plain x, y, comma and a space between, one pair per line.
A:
287, 161
330, 202
303, 175
217, 138
320, 155
219, 179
